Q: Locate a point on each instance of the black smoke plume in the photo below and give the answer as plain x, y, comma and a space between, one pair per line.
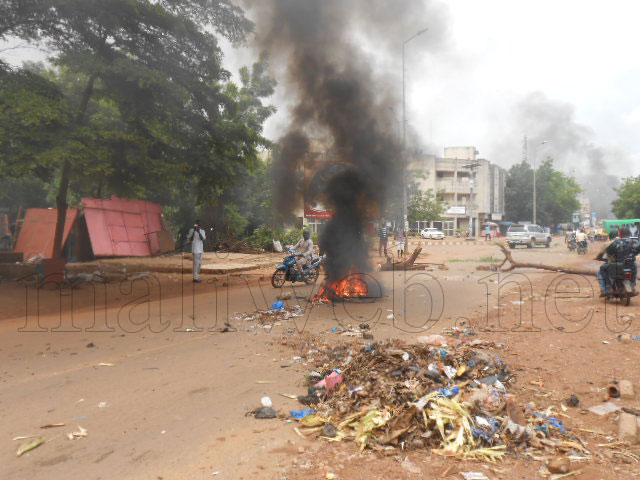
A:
343, 103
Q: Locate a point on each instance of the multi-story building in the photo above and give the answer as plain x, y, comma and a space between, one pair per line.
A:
471, 187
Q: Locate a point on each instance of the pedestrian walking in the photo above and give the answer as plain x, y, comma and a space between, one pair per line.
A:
196, 237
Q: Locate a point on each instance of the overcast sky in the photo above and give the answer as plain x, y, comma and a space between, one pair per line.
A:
495, 53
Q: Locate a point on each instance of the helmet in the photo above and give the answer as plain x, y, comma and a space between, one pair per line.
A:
306, 235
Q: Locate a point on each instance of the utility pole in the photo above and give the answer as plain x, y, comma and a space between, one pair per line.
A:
405, 223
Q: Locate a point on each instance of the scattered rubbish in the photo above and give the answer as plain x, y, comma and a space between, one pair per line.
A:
367, 336
103, 364
632, 411
278, 305
79, 401
474, 476
288, 395
613, 391
213, 474
28, 446
330, 476
329, 430
265, 412
606, 342
573, 401
79, 419
80, 433
635, 337
559, 465
284, 296
103, 404
301, 413
90, 345
264, 382
266, 402
604, 408
624, 338
330, 381
163, 432
52, 425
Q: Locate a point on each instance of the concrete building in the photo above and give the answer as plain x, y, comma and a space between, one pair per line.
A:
455, 177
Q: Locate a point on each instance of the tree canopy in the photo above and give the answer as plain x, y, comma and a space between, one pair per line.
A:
424, 206
556, 194
627, 205
136, 103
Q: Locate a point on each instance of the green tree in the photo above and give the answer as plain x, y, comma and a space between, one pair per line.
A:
627, 205
424, 207
556, 194
518, 193
148, 103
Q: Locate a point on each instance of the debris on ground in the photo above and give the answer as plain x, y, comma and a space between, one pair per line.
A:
278, 312
264, 412
28, 446
397, 396
80, 433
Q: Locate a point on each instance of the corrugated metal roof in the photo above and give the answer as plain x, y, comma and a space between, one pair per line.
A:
38, 230
121, 227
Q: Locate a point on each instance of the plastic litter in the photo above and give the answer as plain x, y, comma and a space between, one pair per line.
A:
301, 413
266, 402
278, 305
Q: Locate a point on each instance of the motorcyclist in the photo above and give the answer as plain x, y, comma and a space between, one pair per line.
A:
616, 252
581, 238
304, 248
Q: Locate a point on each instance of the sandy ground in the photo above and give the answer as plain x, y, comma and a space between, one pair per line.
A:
169, 400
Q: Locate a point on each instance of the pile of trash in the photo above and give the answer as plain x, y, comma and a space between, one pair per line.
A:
454, 400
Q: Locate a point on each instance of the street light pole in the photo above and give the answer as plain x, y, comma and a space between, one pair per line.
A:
405, 223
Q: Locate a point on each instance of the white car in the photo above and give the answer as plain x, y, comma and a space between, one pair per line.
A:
529, 235
432, 233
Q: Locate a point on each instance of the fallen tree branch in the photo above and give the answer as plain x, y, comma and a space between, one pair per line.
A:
513, 264
407, 264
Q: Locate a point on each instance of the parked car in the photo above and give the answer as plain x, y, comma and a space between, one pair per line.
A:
432, 233
529, 235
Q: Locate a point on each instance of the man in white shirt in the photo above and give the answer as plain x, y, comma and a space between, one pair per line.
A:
304, 247
197, 236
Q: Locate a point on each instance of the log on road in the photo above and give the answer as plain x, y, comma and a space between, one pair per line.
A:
407, 264
513, 264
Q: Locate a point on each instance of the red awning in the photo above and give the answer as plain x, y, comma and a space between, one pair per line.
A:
38, 230
121, 227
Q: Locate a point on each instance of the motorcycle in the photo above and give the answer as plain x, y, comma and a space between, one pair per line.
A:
571, 245
582, 247
287, 272
620, 278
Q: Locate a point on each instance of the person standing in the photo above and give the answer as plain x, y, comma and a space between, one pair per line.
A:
487, 233
384, 238
196, 237
401, 240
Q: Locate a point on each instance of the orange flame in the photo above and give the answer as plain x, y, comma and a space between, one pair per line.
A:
352, 286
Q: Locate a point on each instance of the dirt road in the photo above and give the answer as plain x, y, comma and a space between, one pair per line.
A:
161, 399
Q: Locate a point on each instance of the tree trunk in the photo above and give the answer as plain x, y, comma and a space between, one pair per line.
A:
63, 188
513, 264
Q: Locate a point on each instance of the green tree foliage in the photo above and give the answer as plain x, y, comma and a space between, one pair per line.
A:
424, 207
557, 194
627, 205
141, 104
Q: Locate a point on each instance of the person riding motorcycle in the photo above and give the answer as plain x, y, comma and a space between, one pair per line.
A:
304, 247
619, 250
581, 238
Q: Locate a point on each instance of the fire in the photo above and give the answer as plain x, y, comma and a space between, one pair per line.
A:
352, 286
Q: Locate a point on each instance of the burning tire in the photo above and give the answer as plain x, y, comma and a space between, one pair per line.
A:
278, 278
